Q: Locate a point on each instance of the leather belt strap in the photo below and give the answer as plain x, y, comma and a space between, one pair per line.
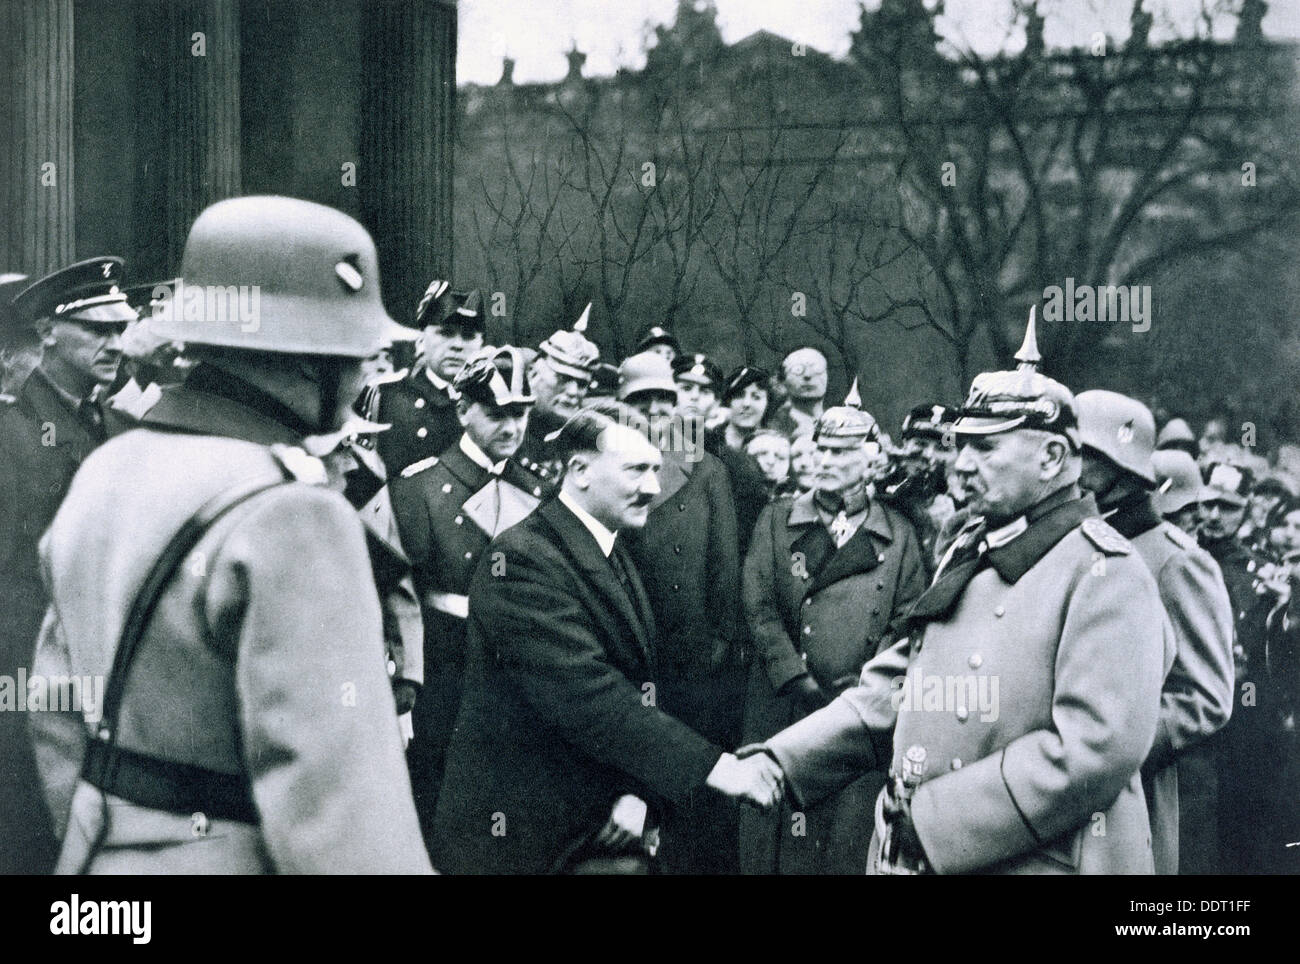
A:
166, 785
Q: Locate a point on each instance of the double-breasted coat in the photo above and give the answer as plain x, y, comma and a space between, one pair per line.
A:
445, 541
815, 609
1031, 679
263, 660
556, 720
421, 417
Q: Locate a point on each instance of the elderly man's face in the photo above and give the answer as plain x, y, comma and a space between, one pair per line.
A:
842, 468
556, 393
804, 374
1002, 474
84, 353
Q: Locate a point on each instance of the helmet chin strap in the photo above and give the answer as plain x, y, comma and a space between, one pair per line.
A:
326, 373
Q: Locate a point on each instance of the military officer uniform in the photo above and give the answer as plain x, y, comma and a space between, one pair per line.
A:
417, 404
45, 435
1056, 609
448, 509
570, 354
825, 587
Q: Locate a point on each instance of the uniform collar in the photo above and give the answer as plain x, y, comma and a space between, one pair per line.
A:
1134, 515
440, 383
803, 511
479, 457
1046, 524
604, 538
186, 409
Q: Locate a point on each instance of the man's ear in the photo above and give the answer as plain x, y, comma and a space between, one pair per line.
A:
1053, 457
462, 410
576, 469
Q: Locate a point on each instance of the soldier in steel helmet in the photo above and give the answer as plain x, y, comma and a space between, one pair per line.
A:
827, 579
56, 415
1025, 694
1118, 435
202, 568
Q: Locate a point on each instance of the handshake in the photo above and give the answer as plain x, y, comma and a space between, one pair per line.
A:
756, 778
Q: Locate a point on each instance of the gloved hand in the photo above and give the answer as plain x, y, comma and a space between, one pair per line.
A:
808, 696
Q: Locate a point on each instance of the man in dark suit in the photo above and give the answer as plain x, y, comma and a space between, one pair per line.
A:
559, 751
448, 509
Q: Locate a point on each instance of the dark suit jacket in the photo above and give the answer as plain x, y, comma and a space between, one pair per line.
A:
558, 717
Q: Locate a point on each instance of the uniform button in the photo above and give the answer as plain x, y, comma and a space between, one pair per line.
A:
804, 657
537, 491
975, 661
681, 506
677, 549
807, 602
676, 588
469, 555
419, 403
421, 432
807, 630
956, 763
392, 668
460, 520
999, 612
446, 487
880, 585
880, 558
963, 714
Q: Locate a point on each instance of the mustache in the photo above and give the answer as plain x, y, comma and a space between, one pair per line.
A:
642, 500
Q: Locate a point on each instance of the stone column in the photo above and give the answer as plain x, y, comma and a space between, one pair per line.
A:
36, 176
188, 129
408, 124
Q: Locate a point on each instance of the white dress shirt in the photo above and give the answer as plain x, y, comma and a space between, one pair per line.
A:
604, 538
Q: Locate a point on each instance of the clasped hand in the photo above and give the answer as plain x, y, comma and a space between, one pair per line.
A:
757, 779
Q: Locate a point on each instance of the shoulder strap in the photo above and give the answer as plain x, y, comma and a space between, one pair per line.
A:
181, 544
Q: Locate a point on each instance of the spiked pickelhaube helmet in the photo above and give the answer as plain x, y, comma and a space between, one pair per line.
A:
1025, 398
846, 425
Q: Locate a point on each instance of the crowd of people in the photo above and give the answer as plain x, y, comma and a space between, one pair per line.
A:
375, 597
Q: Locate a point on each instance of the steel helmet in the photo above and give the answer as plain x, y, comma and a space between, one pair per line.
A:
276, 274
1120, 428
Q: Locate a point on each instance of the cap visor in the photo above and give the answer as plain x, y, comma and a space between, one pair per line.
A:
112, 313
572, 371
986, 426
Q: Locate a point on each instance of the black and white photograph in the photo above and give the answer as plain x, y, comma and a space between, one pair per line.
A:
660, 438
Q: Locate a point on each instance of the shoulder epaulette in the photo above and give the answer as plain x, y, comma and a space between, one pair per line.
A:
1100, 534
390, 377
1178, 537
416, 467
